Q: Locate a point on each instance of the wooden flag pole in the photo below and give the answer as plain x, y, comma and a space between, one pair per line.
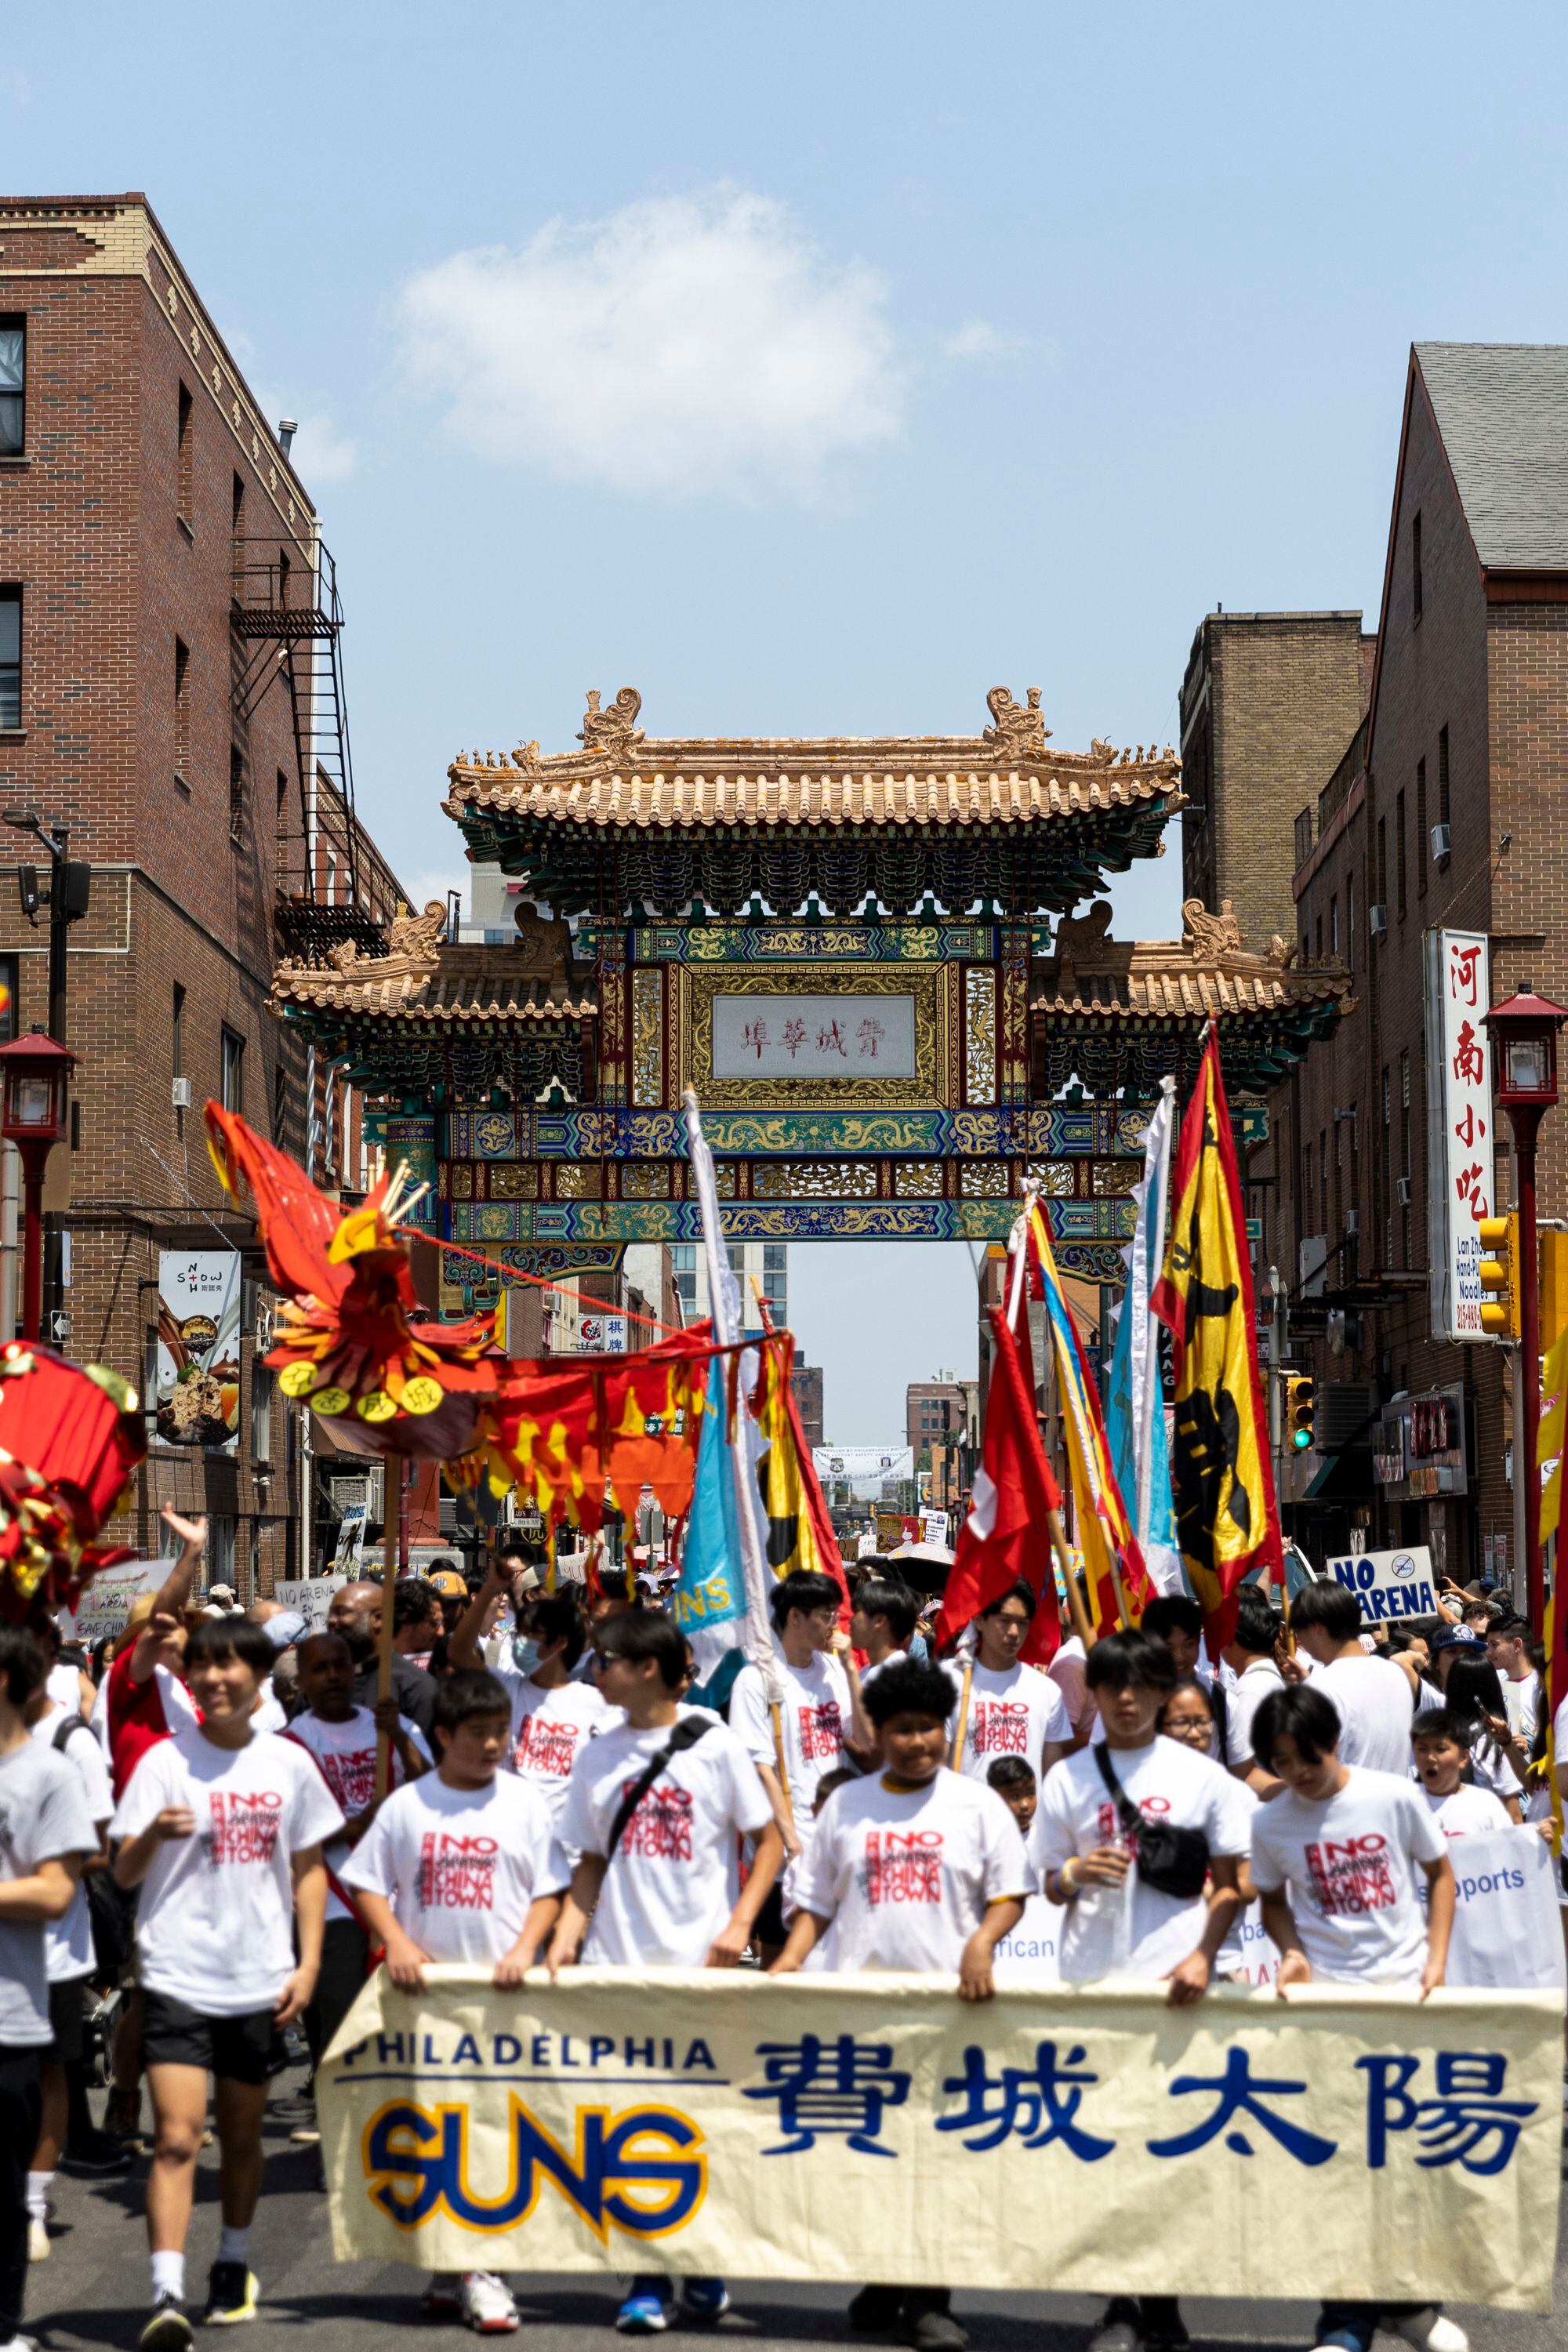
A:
390, 1482
961, 1733
1076, 1607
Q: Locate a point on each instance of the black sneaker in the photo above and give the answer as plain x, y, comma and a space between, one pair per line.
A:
876, 2310
168, 2328
231, 2294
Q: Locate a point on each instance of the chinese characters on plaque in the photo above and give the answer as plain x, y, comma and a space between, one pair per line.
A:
835, 1037
1458, 991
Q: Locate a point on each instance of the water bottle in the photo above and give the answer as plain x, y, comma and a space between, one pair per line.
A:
1097, 1939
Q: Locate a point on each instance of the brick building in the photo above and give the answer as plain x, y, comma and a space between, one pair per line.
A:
167, 675
1268, 702
935, 1411
805, 1380
1447, 810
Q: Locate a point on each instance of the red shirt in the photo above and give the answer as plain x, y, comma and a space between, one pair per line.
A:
138, 1718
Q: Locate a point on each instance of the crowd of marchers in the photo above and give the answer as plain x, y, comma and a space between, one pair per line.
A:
196, 1874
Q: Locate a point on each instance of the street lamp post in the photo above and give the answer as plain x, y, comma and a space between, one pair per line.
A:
35, 1079
1524, 1032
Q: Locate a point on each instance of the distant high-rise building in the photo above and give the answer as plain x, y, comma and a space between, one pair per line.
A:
805, 1380
764, 1263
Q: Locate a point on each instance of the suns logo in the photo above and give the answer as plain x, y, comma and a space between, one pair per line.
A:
644, 2172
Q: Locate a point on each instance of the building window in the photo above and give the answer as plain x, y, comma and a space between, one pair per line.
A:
232, 1087
10, 658
1382, 861
1444, 814
1323, 1226
236, 506
1350, 920
177, 1032
13, 386
1416, 591
332, 889
1422, 842
1334, 923
776, 1256
1400, 870
279, 1102
260, 1412
1319, 933
183, 454
181, 710
235, 792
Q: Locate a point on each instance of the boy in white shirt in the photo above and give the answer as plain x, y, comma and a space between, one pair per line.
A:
655, 1813
222, 1827
821, 1715
47, 1836
1374, 1698
1441, 1742
63, 1728
1014, 1709
461, 1866
1334, 1858
1087, 1844
914, 1867
342, 1737
551, 1714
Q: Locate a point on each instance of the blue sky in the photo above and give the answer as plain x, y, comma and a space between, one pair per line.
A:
814, 372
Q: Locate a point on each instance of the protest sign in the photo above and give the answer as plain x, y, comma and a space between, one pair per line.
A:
1390, 1585
716, 2123
104, 1607
312, 1596
1506, 1928
351, 1539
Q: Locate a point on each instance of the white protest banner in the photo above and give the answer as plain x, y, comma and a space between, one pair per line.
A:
1390, 1585
711, 2123
857, 1462
101, 1611
1507, 1932
311, 1596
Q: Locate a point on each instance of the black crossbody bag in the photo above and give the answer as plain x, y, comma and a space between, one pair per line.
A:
687, 1733
1173, 1862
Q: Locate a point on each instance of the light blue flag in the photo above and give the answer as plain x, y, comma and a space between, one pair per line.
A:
1133, 1402
710, 1595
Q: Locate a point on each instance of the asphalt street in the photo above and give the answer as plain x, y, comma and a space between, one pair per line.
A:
93, 2290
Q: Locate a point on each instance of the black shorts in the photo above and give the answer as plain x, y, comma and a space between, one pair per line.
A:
68, 2004
244, 2048
770, 1927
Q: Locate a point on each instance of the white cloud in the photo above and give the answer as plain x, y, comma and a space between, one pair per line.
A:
977, 338
684, 344
321, 453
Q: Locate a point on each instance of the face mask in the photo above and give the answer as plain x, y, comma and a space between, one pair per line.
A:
525, 1654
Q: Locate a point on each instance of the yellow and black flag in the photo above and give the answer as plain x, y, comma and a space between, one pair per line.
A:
1227, 1522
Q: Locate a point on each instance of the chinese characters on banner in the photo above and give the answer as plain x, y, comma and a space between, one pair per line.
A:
1460, 1097
568, 2126
841, 1037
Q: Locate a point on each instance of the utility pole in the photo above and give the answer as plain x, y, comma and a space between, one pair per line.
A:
1275, 1384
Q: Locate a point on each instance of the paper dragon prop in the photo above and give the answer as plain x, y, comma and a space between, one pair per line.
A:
347, 1341
70, 1437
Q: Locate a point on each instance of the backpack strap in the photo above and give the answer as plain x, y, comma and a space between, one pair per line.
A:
64, 1728
1131, 1821
687, 1733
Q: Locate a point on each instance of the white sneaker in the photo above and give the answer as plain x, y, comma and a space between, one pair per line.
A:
1429, 2331
485, 2303
37, 2241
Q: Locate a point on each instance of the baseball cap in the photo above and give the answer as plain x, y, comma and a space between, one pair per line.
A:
1456, 1638
284, 1630
223, 1593
447, 1580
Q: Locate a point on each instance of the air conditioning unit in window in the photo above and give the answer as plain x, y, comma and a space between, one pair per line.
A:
1441, 842
179, 1094
1377, 918
1402, 1191
1352, 1221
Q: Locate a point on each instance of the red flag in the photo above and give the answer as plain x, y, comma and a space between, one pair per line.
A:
1005, 1537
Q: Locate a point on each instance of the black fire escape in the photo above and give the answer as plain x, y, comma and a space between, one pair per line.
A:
287, 622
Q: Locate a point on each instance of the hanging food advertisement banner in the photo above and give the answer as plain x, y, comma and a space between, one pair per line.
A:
1459, 1100
198, 1347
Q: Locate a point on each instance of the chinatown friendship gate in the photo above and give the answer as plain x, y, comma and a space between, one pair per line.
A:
863, 954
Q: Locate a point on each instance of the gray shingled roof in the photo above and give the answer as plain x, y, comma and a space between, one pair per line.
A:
1503, 410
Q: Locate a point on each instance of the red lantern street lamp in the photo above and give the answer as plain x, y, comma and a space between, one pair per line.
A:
35, 1081
1524, 1035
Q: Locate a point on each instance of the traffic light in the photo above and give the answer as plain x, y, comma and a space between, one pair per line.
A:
1498, 1276
1300, 1411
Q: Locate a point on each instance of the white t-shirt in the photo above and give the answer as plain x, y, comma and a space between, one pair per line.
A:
1522, 1700
815, 1716
1257, 1680
215, 1924
1375, 1705
68, 1941
270, 1714
1350, 1869
346, 1754
43, 1818
1166, 1782
1011, 1714
905, 1875
1030, 1953
549, 1728
1469, 1812
674, 1879
460, 1867
179, 1708
64, 1685
1067, 1670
